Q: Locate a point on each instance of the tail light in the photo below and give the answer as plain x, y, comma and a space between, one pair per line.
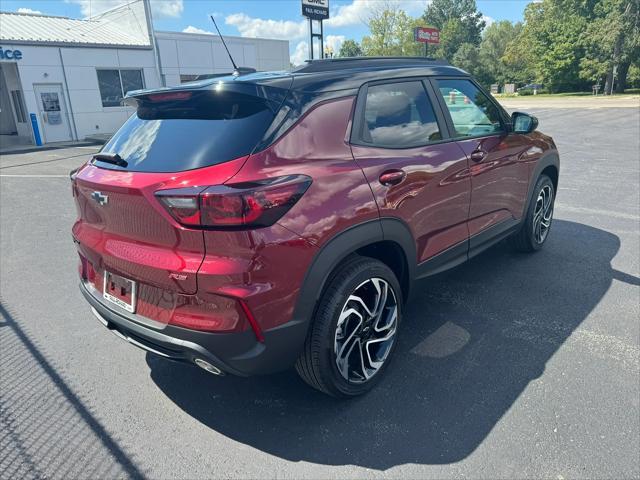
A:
240, 205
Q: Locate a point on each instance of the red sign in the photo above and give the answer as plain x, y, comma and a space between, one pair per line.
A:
427, 35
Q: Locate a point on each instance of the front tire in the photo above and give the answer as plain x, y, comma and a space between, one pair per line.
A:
537, 223
353, 336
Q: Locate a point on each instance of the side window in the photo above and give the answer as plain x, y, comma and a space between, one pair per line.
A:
399, 115
472, 112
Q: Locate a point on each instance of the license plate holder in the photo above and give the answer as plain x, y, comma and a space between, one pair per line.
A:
120, 291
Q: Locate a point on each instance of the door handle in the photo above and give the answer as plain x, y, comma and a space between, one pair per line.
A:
478, 155
392, 177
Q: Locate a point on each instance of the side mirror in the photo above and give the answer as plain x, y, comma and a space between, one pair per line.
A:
523, 122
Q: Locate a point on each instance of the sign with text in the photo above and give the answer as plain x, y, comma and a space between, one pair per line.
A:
427, 35
315, 9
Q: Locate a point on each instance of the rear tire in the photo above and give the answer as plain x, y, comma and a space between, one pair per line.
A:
537, 222
354, 332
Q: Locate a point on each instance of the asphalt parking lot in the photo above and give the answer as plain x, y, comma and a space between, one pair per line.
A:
512, 366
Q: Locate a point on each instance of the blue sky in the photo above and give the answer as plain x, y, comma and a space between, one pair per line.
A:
259, 18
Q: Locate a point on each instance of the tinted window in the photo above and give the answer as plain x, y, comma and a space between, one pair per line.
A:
399, 115
473, 114
114, 85
198, 130
131, 80
109, 84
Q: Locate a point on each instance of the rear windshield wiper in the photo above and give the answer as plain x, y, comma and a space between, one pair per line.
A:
113, 158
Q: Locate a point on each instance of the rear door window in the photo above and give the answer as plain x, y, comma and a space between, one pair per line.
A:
399, 115
178, 131
472, 113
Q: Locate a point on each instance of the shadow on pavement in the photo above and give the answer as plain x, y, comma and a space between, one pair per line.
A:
471, 342
46, 430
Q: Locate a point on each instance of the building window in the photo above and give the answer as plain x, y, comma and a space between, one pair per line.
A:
18, 105
114, 85
202, 76
188, 78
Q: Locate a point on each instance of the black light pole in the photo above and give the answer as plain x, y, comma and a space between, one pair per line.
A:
319, 36
316, 10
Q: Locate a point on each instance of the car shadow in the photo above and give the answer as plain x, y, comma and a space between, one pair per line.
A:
471, 342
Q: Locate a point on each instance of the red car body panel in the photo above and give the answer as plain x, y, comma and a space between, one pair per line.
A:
318, 146
433, 199
499, 182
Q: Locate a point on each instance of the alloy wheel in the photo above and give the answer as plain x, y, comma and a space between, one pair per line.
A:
366, 330
543, 214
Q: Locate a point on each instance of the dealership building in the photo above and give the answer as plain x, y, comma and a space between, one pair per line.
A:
63, 79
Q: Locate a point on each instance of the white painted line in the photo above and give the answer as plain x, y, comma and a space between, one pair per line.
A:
35, 176
597, 212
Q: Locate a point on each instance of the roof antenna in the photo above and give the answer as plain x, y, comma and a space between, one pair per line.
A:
236, 71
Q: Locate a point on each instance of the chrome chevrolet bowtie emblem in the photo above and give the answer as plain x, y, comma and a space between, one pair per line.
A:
100, 197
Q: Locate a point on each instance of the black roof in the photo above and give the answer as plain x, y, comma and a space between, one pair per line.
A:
351, 72
335, 74
346, 63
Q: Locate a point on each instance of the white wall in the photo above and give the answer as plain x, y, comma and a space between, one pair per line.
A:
194, 54
41, 64
180, 54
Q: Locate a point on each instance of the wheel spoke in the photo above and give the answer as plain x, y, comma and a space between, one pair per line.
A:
392, 315
543, 213
357, 299
365, 330
345, 349
363, 367
377, 363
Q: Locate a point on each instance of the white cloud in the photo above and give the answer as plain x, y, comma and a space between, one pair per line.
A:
159, 8
334, 42
167, 8
300, 54
28, 10
267, 28
192, 29
488, 20
358, 11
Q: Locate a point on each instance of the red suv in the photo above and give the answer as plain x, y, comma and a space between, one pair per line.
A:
249, 223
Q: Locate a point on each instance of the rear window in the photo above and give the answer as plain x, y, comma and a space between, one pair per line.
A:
178, 131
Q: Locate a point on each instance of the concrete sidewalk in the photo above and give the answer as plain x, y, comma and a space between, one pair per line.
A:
13, 149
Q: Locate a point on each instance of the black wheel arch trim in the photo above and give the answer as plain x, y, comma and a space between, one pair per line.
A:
342, 245
549, 159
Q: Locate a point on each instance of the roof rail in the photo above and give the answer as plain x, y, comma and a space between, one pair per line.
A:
344, 63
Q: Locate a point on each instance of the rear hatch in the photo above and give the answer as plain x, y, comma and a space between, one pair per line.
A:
178, 138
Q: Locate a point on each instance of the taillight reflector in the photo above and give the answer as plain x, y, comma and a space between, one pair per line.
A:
243, 205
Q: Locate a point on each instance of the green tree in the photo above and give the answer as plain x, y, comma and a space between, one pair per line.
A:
496, 38
468, 58
350, 48
452, 37
459, 22
391, 33
611, 42
550, 44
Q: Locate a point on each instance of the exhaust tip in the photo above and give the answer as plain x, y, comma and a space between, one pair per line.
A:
208, 367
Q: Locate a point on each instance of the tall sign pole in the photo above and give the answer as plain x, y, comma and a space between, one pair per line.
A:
316, 10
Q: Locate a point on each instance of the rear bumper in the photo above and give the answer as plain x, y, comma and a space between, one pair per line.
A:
235, 353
